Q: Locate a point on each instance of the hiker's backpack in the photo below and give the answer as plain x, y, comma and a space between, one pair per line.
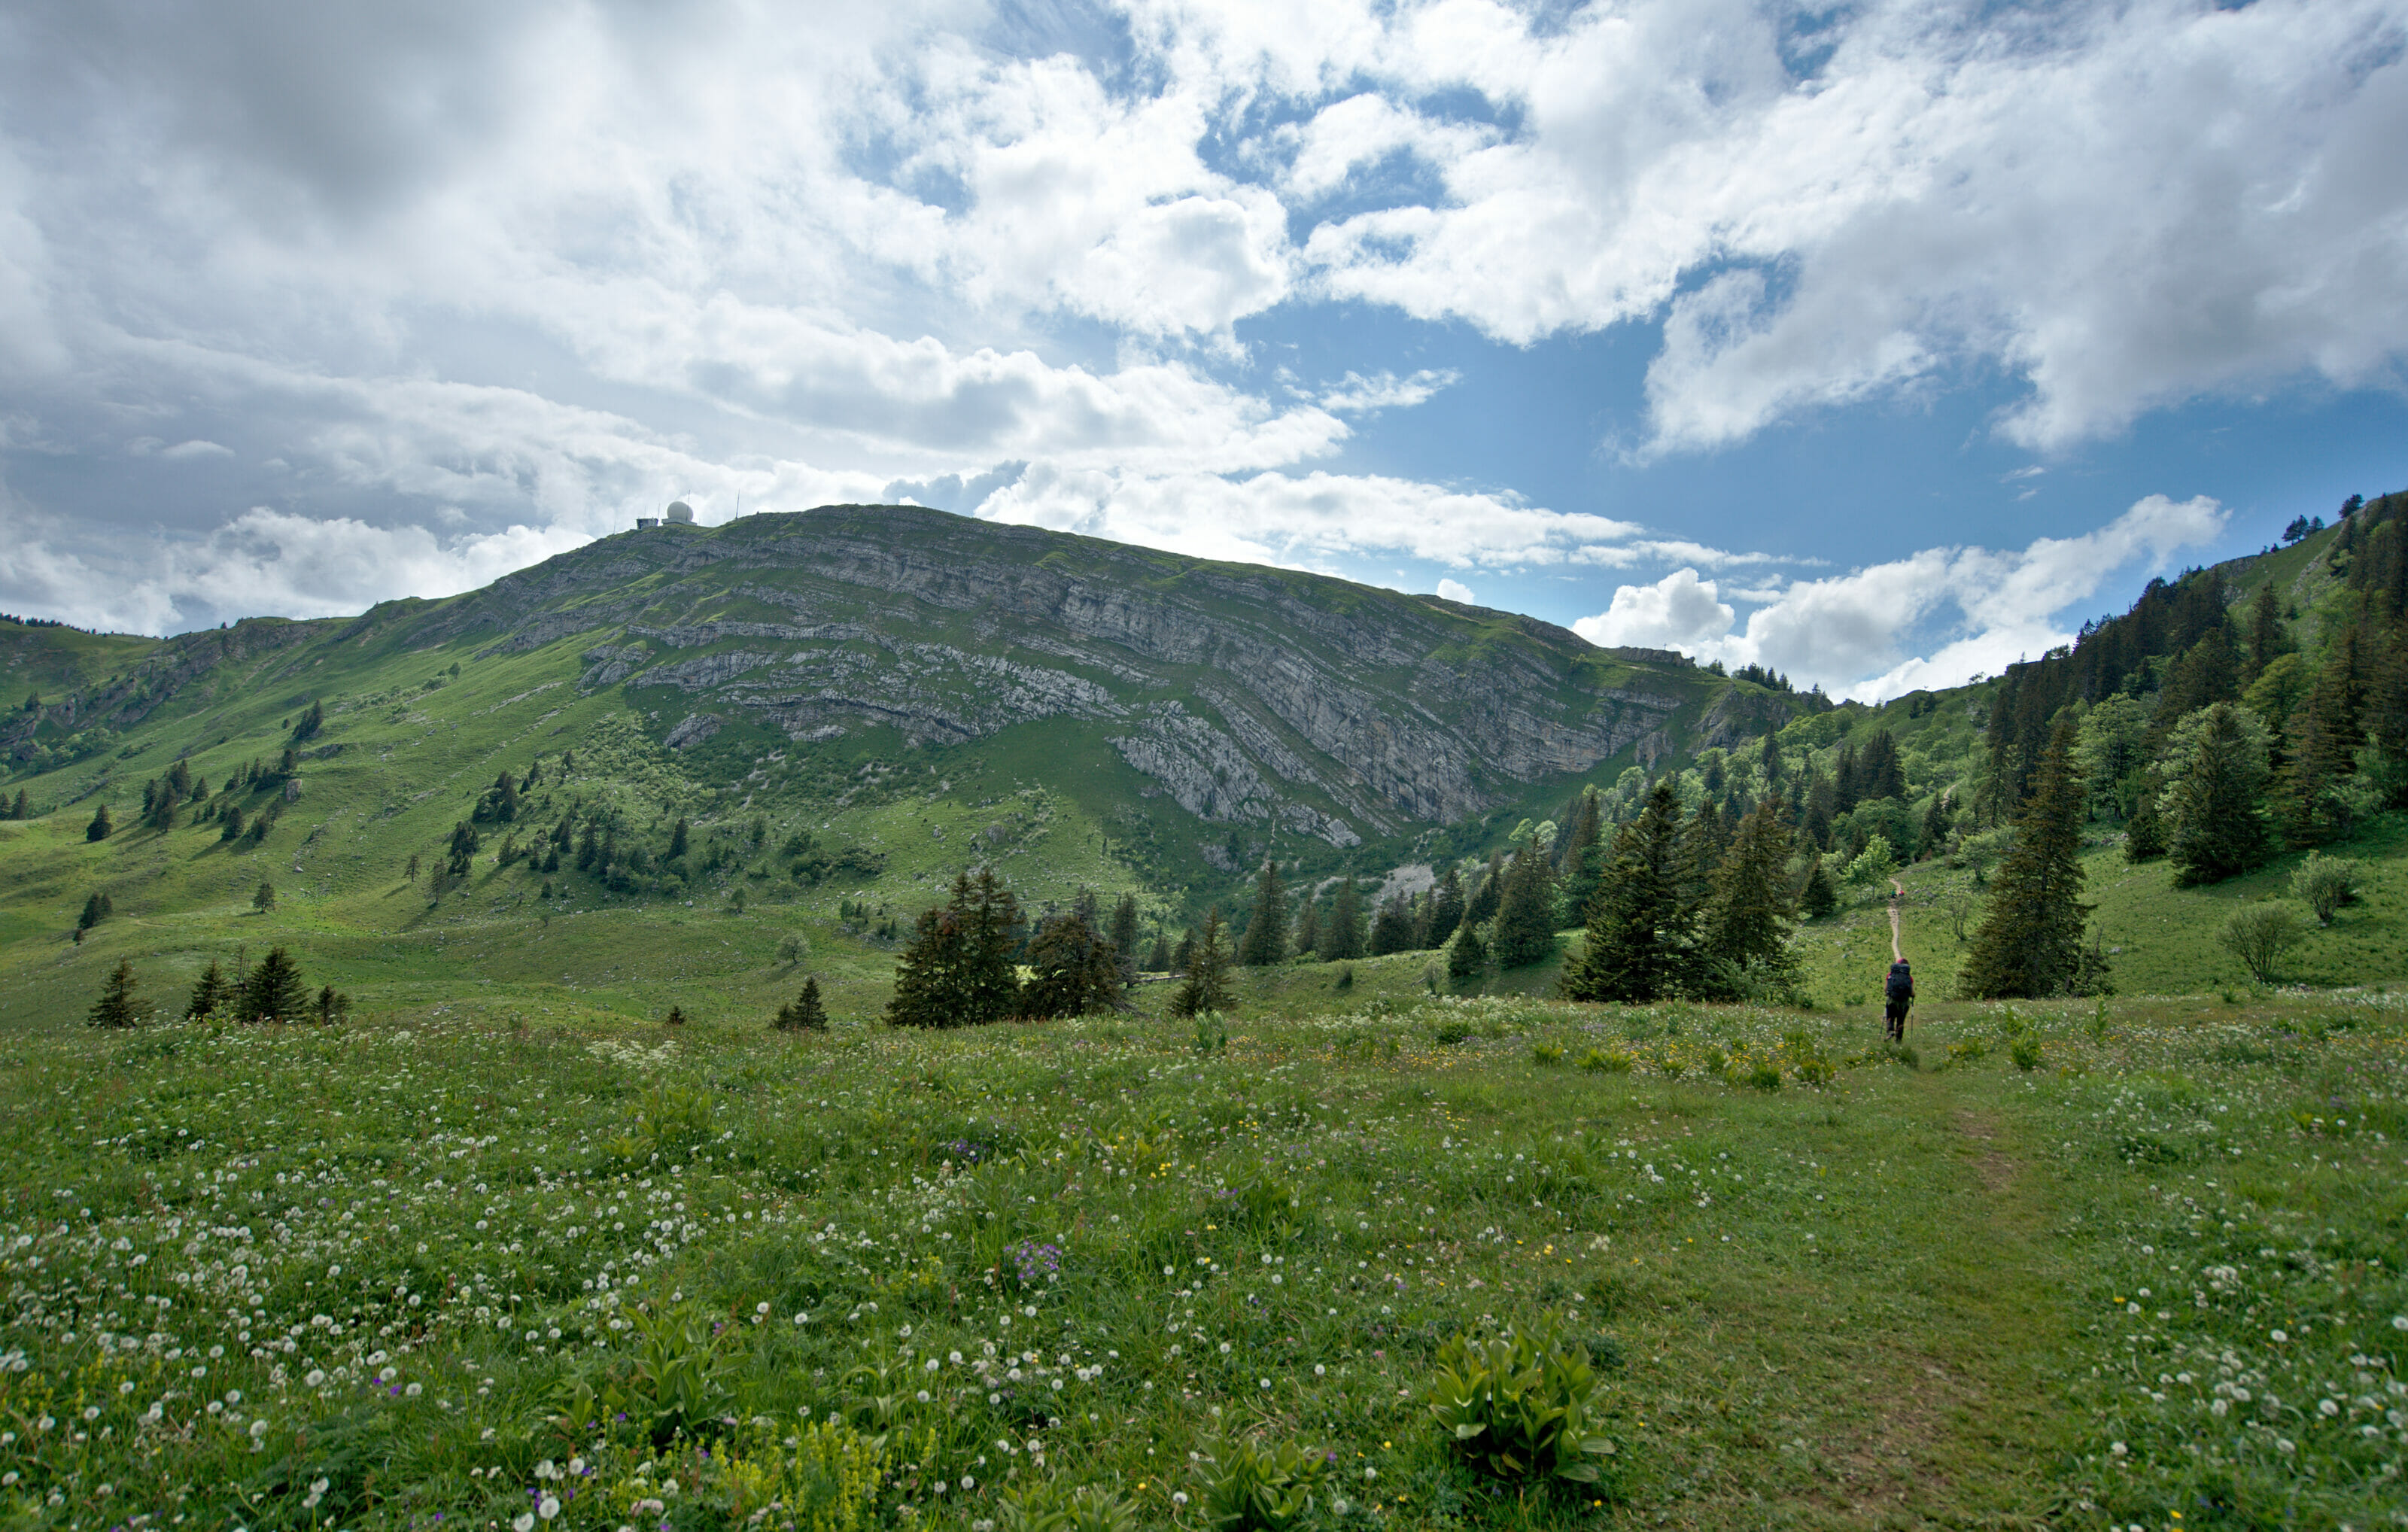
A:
1901, 982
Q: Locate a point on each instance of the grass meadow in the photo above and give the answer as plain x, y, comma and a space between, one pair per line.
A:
466, 1263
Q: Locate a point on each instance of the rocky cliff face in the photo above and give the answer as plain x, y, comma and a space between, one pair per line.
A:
1249, 695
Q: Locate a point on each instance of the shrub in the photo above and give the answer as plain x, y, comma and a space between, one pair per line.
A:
1251, 1488
1765, 1075
1451, 1033
1522, 1405
1599, 1062
2025, 1051
1546, 1053
1041, 1508
2325, 883
2258, 934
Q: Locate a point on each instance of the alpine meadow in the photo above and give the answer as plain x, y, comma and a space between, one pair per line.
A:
870, 1018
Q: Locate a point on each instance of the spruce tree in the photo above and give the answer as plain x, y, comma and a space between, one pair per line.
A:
2144, 833
1638, 932
2029, 943
2209, 672
94, 912
212, 992
1342, 935
1075, 968
1124, 936
2216, 760
100, 829
678, 833
1265, 942
1184, 952
1158, 961
2326, 733
1207, 986
1818, 896
263, 898
1308, 927
1747, 923
957, 969
22, 807
1482, 907
1937, 821
1446, 907
1467, 956
115, 1006
804, 1012
1583, 858
273, 991
2265, 630
1525, 931
1392, 930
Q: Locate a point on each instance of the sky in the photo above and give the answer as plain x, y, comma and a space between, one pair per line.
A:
1878, 343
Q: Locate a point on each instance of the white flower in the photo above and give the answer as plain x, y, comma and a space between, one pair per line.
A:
2400, 1322
2115, 1449
2285, 1446
547, 1469
523, 1522
1178, 1497
548, 1508
577, 1464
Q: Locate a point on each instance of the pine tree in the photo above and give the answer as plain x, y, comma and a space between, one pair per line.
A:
212, 993
1446, 907
115, 1006
22, 808
2208, 673
1342, 935
1937, 821
957, 969
1207, 986
94, 911
1466, 954
1184, 952
1265, 942
263, 898
233, 829
676, 1016
100, 829
312, 721
1075, 970
1747, 923
678, 837
1880, 772
1639, 930
1525, 931
2029, 943
2216, 763
1846, 788
273, 991
333, 1005
1158, 961
804, 1013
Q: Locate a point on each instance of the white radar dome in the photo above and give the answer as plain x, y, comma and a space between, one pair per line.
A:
680, 511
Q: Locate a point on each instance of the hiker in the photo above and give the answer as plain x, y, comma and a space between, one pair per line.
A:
1898, 996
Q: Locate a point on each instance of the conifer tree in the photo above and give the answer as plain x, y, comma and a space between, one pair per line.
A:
1158, 961
1445, 909
94, 911
1341, 934
21, 808
1392, 930
1846, 788
957, 969
1308, 927
2265, 631
804, 1012
212, 992
1525, 930
115, 1006
1880, 771
1703, 843
1124, 936
2030, 942
1937, 821
1466, 954
2144, 833
2326, 733
1639, 931
273, 990
1818, 896
312, 721
333, 1005
100, 827
1076, 969
1265, 942
1482, 907
1207, 986
2216, 760
2208, 672
1747, 923
1184, 952
263, 898
1583, 858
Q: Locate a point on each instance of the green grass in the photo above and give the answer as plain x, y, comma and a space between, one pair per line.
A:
421, 1257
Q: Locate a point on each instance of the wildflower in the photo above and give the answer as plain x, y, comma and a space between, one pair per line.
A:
523, 1522
549, 1508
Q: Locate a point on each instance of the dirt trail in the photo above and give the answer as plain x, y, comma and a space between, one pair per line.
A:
1897, 899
